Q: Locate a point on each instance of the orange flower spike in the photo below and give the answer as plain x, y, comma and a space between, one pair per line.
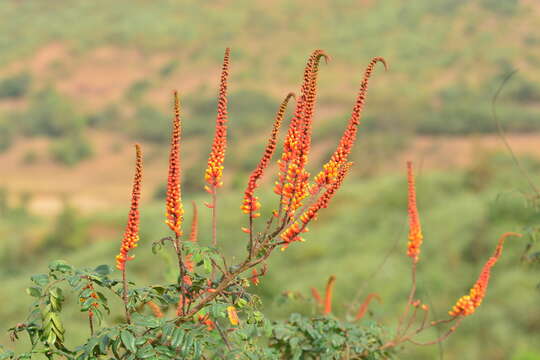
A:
467, 304
364, 307
251, 203
291, 233
329, 294
330, 170
301, 190
131, 234
214, 171
310, 100
156, 310
294, 155
415, 230
174, 207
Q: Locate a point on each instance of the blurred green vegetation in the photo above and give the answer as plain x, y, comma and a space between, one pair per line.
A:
360, 238
15, 86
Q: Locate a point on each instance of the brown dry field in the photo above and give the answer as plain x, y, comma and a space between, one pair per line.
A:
103, 182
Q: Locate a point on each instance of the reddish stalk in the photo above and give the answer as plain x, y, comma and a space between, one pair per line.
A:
329, 294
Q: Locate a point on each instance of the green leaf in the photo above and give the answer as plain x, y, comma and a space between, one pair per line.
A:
74, 280
188, 342
104, 343
177, 337
40, 279
56, 292
128, 340
34, 291
103, 270
146, 352
146, 321
60, 265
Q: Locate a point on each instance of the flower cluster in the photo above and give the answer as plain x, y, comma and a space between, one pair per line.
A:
131, 235
415, 230
174, 209
467, 304
214, 171
340, 156
251, 203
292, 232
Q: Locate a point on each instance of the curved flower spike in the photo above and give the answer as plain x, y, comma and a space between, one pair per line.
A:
340, 156
329, 294
467, 304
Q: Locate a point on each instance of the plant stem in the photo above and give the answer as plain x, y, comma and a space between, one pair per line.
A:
91, 323
251, 245
182, 270
214, 217
125, 295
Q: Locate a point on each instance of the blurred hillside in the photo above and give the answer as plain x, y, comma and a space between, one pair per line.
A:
81, 81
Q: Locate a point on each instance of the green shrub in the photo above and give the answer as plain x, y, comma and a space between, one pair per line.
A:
71, 150
15, 86
7, 133
109, 118
151, 124
51, 114
69, 231
137, 90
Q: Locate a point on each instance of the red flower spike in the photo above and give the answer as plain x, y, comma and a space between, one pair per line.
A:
328, 295
174, 207
251, 203
214, 171
415, 230
467, 304
131, 234
340, 156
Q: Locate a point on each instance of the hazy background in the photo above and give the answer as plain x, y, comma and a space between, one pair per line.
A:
81, 81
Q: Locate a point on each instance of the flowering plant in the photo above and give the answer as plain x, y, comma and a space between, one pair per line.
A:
209, 313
